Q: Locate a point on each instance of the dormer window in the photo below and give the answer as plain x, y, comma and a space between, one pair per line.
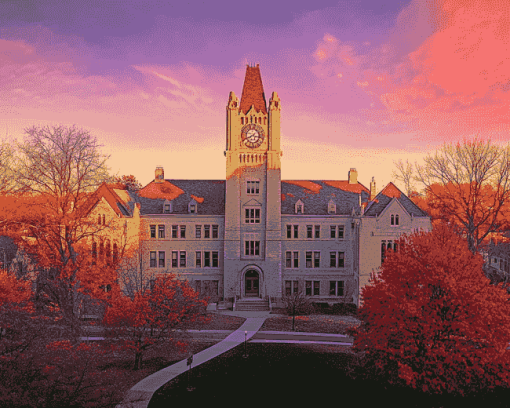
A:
300, 207
192, 207
331, 207
167, 207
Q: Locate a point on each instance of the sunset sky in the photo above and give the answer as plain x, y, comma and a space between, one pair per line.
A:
362, 83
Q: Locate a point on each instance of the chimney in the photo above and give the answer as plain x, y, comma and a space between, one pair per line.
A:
159, 176
372, 189
353, 176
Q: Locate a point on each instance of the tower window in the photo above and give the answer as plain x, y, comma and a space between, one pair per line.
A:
252, 187
242, 121
252, 216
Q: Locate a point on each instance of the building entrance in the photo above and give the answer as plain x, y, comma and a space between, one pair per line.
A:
251, 288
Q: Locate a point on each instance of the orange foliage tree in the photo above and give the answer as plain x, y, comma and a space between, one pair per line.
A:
148, 317
431, 319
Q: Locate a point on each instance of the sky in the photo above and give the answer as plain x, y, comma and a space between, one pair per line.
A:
362, 83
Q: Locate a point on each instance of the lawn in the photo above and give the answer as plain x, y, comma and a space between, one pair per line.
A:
296, 375
311, 324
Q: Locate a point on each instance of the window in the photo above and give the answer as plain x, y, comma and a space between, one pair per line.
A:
289, 231
341, 258
214, 287
333, 231
299, 208
174, 231
308, 259
153, 231
215, 231
341, 232
295, 231
161, 259
288, 259
153, 259
296, 259
291, 287
115, 253
215, 259
207, 231
198, 259
315, 285
198, 286
166, 208
396, 219
317, 231
392, 219
99, 219
192, 208
336, 288
252, 187
316, 259
182, 258
174, 259
183, 231
198, 231
94, 252
103, 220
383, 251
332, 259
316, 288
207, 259
161, 231
309, 231
252, 216
252, 248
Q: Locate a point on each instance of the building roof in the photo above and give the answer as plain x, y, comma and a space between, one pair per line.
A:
253, 91
112, 194
316, 195
384, 198
209, 194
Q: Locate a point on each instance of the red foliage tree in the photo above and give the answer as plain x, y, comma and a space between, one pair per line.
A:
431, 319
148, 317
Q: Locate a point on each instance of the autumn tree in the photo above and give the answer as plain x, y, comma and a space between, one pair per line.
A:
431, 319
405, 174
468, 184
129, 182
58, 167
148, 317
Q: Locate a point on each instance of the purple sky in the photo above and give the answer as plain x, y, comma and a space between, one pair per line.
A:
362, 83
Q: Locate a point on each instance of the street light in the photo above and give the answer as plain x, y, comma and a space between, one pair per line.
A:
245, 354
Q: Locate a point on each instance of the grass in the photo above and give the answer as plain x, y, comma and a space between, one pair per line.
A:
311, 324
298, 375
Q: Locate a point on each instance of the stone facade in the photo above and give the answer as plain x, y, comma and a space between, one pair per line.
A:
266, 237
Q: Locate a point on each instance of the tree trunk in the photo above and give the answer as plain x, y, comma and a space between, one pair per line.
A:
138, 361
294, 322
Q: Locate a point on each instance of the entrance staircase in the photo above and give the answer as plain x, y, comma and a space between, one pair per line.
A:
252, 305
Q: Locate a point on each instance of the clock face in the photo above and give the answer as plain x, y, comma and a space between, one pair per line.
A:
252, 135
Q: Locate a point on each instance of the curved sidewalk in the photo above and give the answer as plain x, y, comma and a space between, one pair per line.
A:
140, 395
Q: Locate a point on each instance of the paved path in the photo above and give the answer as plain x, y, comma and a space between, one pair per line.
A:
140, 395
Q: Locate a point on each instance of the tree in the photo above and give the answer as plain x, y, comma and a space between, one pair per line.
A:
130, 182
405, 175
469, 185
7, 170
58, 168
148, 318
432, 320
297, 304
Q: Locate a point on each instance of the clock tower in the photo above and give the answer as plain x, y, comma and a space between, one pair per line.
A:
252, 258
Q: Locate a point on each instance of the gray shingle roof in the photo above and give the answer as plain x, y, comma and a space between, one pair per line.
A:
381, 201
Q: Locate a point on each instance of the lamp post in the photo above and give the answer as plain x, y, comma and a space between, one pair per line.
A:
245, 334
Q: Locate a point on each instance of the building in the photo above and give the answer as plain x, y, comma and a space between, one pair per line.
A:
255, 235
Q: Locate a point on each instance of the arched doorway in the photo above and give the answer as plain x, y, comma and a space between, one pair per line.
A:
251, 283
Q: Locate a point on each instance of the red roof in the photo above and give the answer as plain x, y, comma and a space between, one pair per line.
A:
164, 190
199, 200
109, 195
253, 91
391, 191
283, 197
345, 186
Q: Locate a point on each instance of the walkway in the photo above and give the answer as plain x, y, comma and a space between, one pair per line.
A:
140, 395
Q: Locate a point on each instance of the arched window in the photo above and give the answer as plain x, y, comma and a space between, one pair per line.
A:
115, 253
108, 251
94, 252
392, 219
396, 219
383, 251
101, 250
242, 121
99, 219
395, 247
103, 219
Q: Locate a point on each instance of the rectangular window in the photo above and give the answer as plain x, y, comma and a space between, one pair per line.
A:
309, 231
153, 231
296, 259
174, 259
198, 231
214, 287
340, 288
308, 259
161, 231
288, 259
316, 259
167, 209
341, 258
332, 288
252, 247
295, 231
183, 259
336, 288
215, 231
192, 208
161, 259
341, 232
174, 231
207, 231
317, 231
332, 259
207, 259
308, 288
198, 259
294, 286
383, 251
215, 259
316, 288
153, 259
252, 216
333, 231
183, 231
289, 231
288, 288
198, 286
252, 187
